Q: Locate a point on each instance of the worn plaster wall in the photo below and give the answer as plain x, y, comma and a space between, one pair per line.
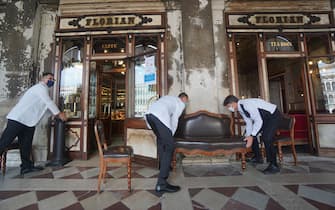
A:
25, 52
45, 26
175, 60
16, 24
199, 56
221, 56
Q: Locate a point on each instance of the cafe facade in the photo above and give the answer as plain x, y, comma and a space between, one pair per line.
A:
113, 62
112, 59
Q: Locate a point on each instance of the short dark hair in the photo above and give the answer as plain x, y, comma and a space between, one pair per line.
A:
47, 73
183, 94
230, 99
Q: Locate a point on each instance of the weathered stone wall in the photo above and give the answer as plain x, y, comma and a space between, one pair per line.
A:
197, 53
26, 37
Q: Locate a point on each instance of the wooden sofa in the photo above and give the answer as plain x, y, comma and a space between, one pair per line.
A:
208, 134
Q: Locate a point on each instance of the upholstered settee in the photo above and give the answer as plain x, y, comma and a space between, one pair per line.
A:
208, 134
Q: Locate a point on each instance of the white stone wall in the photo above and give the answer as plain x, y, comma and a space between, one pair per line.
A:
25, 46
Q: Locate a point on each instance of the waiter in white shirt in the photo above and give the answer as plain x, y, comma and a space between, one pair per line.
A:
259, 116
162, 117
22, 119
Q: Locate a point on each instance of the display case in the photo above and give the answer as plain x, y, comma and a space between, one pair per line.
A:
118, 111
105, 102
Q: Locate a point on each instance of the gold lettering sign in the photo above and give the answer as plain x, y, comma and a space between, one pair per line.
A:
265, 19
280, 44
288, 19
109, 46
110, 21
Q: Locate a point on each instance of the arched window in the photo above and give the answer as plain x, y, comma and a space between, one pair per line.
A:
71, 77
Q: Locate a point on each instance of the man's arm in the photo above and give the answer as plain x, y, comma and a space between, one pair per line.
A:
175, 117
52, 106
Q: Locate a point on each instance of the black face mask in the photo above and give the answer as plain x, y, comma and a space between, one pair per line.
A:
50, 83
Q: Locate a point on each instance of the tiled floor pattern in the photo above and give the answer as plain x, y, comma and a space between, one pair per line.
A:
310, 185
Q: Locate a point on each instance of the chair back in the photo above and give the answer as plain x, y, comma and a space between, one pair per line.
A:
286, 126
100, 136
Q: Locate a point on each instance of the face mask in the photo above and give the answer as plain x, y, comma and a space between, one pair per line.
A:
230, 108
50, 83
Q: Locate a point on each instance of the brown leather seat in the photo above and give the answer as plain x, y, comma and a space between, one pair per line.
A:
205, 133
121, 154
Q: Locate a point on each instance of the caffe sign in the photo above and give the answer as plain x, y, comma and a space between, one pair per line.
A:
282, 19
109, 21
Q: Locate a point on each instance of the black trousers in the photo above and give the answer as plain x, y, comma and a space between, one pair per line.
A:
165, 146
269, 128
25, 136
255, 149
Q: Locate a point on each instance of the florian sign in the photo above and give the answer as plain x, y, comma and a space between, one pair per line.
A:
110, 21
282, 20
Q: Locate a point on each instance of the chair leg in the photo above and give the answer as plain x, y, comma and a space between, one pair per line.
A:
280, 153
238, 156
3, 162
104, 172
100, 176
129, 174
174, 161
263, 150
243, 161
294, 154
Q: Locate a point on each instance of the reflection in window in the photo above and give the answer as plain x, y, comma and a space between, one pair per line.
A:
145, 73
317, 45
322, 71
328, 86
71, 78
277, 43
247, 66
331, 99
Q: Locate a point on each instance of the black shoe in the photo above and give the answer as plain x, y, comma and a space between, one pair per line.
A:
256, 160
271, 169
32, 169
167, 188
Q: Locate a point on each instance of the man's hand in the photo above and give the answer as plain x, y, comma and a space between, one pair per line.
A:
62, 116
249, 140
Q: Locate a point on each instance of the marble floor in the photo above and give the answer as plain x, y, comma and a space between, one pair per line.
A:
310, 185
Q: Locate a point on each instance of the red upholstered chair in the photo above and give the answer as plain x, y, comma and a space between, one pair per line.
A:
114, 154
285, 136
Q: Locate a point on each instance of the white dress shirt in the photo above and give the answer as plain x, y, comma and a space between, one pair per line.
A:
168, 110
254, 123
32, 106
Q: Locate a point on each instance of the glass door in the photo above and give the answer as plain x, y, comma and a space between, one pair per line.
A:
112, 97
287, 91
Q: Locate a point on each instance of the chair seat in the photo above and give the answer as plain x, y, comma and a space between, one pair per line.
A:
282, 139
118, 152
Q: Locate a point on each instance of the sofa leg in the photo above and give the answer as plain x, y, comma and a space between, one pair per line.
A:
174, 161
243, 161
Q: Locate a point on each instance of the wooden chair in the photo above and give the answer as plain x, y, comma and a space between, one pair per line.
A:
285, 136
114, 154
3, 156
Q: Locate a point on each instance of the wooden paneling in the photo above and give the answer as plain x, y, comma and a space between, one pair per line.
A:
77, 7
278, 5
